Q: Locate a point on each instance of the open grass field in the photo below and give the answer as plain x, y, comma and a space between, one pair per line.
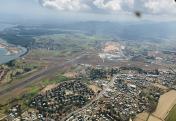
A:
172, 115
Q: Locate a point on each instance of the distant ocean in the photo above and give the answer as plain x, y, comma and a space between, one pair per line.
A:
4, 58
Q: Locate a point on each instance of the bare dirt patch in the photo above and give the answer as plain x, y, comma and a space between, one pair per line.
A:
95, 88
49, 87
142, 116
111, 47
71, 74
160, 86
153, 118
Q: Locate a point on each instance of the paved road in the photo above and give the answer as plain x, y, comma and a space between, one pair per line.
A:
43, 73
111, 83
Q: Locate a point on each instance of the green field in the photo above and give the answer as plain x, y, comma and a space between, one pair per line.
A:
172, 115
59, 78
65, 44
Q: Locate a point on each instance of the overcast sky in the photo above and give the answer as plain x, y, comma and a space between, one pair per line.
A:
105, 10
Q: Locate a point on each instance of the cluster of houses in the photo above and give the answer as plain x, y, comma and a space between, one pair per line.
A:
133, 91
170, 56
131, 94
14, 111
168, 79
58, 102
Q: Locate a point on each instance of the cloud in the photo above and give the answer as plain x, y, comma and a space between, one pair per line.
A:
87, 5
113, 5
65, 5
104, 6
160, 6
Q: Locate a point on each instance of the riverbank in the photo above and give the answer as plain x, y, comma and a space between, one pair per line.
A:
10, 49
9, 52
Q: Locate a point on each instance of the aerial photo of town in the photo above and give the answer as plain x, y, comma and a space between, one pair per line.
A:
94, 60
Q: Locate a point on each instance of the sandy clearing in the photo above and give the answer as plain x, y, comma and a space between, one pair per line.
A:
165, 104
142, 116
111, 47
71, 74
153, 118
49, 87
160, 86
95, 88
